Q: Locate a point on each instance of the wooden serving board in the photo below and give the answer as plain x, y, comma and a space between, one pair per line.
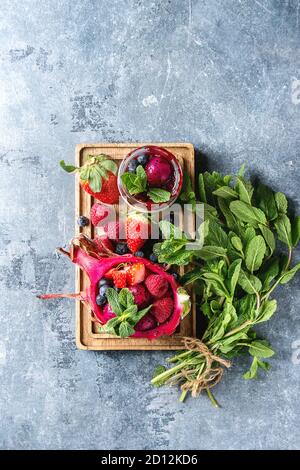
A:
87, 336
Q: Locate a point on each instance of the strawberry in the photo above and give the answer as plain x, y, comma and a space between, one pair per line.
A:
98, 213
137, 231
109, 274
97, 177
157, 285
135, 274
119, 278
103, 242
162, 309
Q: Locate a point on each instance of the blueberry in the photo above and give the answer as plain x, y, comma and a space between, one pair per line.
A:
153, 258
132, 166
83, 221
101, 300
176, 276
102, 290
142, 159
139, 254
104, 282
121, 248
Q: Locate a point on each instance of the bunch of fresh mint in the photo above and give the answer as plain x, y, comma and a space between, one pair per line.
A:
126, 311
249, 240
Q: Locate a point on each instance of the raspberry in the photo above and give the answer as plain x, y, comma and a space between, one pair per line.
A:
141, 296
98, 213
156, 285
162, 309
148, 322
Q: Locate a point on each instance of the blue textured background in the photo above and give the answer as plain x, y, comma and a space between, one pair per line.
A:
220, 74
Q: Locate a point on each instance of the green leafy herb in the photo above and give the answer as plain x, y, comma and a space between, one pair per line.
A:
187, 194
255, 252
236, 268
247, 213
135, 183
158, 195
281, 203
283, 228
126, 311
225, 192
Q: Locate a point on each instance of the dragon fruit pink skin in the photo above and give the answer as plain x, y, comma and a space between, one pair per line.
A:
96, 267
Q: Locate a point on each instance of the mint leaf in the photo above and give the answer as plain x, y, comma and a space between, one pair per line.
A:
283, 229
249, 283
281, 202
296, 231
113, 300
269, 237
126, 330
233, 275
266, 201
261, 349
140, 172
135, 183
255, 252
125, 298
130, 311
187, 194
288, 275
225, 192
244, 189
266, 311
209, 252
236, 242
247, 213
141, 313
158, 195
170, 231
252, 372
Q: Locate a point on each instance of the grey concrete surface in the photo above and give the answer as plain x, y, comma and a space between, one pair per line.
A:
223, 75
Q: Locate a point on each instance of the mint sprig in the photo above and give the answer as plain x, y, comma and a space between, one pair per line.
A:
127, 313
136, 183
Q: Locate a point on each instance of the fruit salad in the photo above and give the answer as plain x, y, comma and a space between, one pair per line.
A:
130, 293
128, 296
150, 178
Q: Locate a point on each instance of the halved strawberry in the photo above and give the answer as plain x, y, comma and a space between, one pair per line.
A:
137, 231
136, 274
120, 278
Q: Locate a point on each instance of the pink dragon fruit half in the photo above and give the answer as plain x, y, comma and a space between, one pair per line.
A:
96, 265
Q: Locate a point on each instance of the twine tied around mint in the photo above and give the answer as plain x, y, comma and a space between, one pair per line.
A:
197, 381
